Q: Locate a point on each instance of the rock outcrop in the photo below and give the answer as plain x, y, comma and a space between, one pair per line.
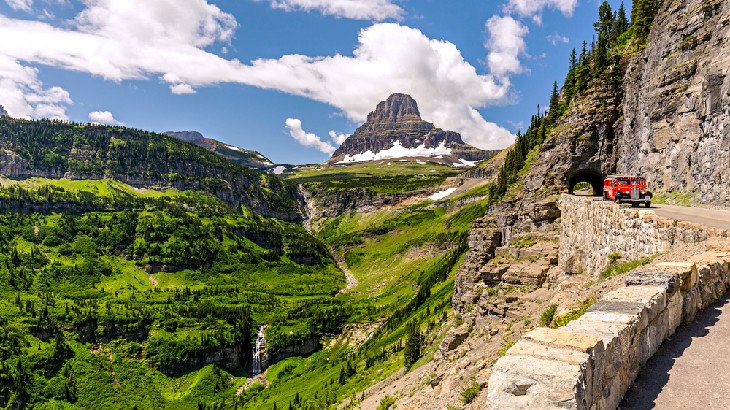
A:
677, 103
395, 130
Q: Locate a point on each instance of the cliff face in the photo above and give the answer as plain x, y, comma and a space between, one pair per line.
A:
397, 123
677, 103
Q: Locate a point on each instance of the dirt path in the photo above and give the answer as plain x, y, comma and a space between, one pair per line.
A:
717, 218
691, 370
152, 280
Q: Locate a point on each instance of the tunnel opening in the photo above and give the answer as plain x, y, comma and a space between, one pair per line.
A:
587, 182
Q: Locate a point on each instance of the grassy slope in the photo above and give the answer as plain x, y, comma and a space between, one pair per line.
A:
391, 252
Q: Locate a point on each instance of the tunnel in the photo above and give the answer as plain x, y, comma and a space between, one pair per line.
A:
583, 178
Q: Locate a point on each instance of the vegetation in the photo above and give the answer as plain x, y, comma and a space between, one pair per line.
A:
572, 314
384, 178
547, 316
615, 268
470, 392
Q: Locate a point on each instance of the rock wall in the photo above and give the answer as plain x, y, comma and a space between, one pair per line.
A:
592, 230
591, 362
677, 103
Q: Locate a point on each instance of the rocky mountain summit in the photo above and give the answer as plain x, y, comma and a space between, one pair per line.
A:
395, 130
245, 157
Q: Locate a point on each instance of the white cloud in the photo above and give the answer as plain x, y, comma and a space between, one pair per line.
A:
307, 139
24, 5
338, 138
533, 8
137, 39
556, 38
103, 117
353, 9
181, 88
23, 94
506, 43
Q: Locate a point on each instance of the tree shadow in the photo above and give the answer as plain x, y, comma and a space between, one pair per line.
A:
655, 374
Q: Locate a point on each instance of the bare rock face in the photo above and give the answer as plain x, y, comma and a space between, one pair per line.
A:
397, 120
677, 103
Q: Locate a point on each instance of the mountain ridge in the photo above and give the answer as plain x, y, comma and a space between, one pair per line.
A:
247, 158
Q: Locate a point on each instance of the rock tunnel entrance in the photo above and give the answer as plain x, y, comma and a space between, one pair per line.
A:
586, 182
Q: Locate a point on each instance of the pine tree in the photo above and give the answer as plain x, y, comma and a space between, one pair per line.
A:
554, 103
604, 30
582, 74
412, 351
569, 85
642, 16
622, 23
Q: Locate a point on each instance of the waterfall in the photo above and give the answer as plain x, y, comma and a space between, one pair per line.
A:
260, 358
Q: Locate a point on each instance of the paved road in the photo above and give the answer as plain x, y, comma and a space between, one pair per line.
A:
691, 370
718, 218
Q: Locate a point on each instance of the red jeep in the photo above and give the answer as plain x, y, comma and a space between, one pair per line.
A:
627, 189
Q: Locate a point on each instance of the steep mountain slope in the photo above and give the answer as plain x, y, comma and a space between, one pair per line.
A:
142, 159
247, 158
395, 130
676, 99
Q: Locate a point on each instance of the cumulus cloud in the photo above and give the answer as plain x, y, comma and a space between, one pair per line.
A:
103, 117
24, 5
506, 43
531, 8
556, 38
138, 39
353, 9
24, 95
307, 139
338, 138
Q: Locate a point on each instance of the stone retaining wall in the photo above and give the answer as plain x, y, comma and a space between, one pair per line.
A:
592, 230
591, 362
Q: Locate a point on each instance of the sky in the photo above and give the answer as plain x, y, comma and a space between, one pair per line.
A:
288, 78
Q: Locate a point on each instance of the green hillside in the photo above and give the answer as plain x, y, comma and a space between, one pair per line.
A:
142, 159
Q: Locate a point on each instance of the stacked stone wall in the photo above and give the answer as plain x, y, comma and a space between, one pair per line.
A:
591, 230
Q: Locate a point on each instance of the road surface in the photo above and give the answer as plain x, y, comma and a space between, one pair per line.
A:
717, 218
691, 370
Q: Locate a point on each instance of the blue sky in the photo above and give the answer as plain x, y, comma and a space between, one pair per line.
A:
479, 67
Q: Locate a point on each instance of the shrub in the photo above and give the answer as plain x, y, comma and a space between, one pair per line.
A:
547, 316
470, 393
386, 402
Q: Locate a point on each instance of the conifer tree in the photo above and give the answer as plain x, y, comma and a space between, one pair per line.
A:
622, 23
412, 351
569, 85
554, 103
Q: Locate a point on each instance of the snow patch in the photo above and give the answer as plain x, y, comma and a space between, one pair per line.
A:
420, 163
442, 194
232, 148
399, 151
279, 170
465, 163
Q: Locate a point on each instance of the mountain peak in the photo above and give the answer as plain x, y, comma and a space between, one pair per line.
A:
397, 108
395, 130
